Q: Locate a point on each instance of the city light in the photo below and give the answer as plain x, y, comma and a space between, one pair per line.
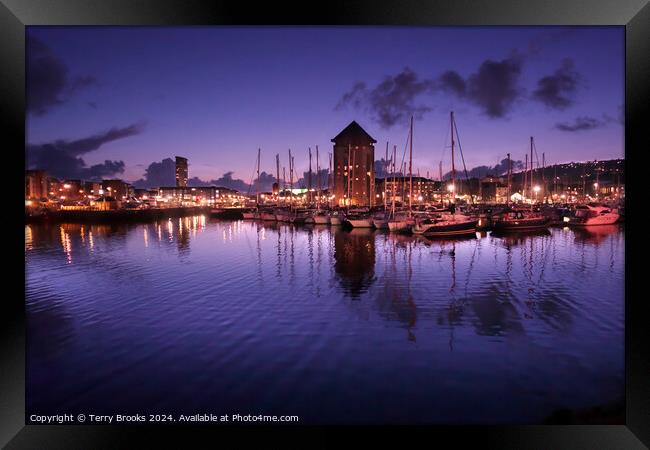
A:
450, 187
537, 189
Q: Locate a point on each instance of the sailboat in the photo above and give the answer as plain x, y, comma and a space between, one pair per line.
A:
284, 214
319, 217
399, 222
519, 219
453, 224
254, 213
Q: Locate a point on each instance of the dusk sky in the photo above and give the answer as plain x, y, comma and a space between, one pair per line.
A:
99, 96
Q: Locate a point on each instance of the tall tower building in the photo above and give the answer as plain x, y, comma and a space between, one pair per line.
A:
354, 166
181, 171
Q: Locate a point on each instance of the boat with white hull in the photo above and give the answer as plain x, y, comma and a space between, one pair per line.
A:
358, 221
321, 218
336, 218
588, 215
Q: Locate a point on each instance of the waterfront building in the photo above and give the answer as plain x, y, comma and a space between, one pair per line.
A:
425, 190
91, 188
72, 190
492, 189
181, 171
105, 203
36, 185
115, 188
188, 196
354, 166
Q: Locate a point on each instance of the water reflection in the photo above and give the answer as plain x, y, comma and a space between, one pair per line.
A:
354, 259
275, 312
595, 235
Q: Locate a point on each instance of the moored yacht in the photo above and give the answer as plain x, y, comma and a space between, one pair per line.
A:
321, 218
591, 215
520, 220
380, 220
446, 225
359, 221
336, 218
250, 214
282, 215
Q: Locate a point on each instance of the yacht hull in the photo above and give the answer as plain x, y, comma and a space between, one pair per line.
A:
454, 229
398, 226
521, 224
321, 220
361, 223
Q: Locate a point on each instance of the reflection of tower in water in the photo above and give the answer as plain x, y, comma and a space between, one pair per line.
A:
354, 260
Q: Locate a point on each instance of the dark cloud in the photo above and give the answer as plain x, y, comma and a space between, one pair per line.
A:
556, 91
621, 115
158, 174
61, 158
353, 97
48, 83
452, 82
582, 124
163, 173
382, 167
304, 181
493, 87
228, 181
481, 171
391, 101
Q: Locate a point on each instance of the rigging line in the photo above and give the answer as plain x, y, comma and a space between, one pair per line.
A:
444, 147
460, 147
250, 186
404, 153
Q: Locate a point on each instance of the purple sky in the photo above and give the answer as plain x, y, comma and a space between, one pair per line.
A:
216, 94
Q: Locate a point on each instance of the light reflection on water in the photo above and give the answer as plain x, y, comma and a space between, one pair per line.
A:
195, 315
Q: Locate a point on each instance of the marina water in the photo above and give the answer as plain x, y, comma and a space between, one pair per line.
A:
196, 316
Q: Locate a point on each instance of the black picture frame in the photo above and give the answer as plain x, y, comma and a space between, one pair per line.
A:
634, 15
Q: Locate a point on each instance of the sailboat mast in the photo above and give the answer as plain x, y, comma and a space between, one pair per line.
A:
509, 178
349, 200
257, 196
525, 185
329, 182
354, 165
411, 167
318, 177
394, 181
543, 177
290, 179
531, 169
453, 166
310, 197
277, 171
385, 175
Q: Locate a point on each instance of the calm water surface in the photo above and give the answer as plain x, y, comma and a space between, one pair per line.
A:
194, 315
